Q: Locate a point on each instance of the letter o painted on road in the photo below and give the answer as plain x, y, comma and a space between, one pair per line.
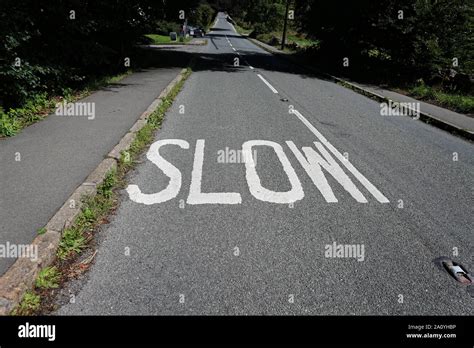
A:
296, 192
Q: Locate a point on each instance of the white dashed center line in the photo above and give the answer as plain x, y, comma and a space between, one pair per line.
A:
267, 83
251, 67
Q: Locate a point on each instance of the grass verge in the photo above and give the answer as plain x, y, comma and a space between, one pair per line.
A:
456, 102
295, 42
242, 30
76, 247
166, 40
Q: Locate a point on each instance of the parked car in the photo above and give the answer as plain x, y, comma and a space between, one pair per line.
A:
199, 32
189, 30
195, 31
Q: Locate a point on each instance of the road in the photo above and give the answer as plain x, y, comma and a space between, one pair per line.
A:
197, 236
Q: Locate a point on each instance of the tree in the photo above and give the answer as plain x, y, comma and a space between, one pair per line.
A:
411, 38
49, 45
202, 15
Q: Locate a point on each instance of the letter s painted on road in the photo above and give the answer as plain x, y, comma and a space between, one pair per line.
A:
174, 185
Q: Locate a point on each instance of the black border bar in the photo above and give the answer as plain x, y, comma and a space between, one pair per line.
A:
223, 330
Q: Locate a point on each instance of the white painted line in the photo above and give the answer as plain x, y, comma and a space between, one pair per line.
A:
233, 48
268, 84
363, 180
251, 67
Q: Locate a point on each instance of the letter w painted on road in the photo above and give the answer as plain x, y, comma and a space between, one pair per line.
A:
312, 166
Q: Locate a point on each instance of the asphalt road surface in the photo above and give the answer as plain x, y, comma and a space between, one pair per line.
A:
333, 208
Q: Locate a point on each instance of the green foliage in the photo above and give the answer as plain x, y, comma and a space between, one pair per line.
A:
72, 241
457, 102
28, 305
47, 50
39, 105
165, 27
48, 278
264, 16
164, 39
301, 41
105, 189
294, 42
31, 110
405, 39
145, 135
202, 15
8, 126
242, 28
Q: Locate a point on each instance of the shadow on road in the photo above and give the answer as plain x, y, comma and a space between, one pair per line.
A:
181, 56
219, 29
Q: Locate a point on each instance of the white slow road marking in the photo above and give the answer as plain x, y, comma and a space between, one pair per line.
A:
367, 184
296, 192
312, 161
196, 196
267, 83
174, 185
